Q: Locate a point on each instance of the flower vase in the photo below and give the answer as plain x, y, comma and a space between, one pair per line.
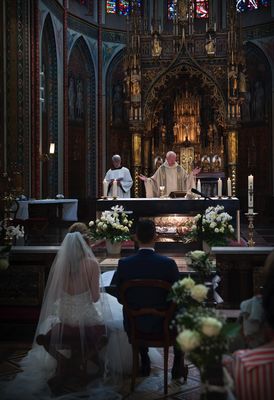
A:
113, 248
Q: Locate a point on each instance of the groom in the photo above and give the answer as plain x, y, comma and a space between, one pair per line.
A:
146, 264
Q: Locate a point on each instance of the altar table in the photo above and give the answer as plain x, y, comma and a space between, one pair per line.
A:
151, 207
66, 209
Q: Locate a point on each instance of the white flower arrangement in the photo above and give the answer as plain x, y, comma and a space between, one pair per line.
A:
213, 226
113, 224
204, 335
186, 293
201, 263
7, 234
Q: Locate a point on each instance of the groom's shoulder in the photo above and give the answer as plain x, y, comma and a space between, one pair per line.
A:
126, 260
164, 258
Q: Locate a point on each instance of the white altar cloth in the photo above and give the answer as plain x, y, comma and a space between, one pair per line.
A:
69, 210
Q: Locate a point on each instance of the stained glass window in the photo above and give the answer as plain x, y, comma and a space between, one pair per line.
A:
123, 7
171, 9
111, 7
120, 7
249, 5
201, 9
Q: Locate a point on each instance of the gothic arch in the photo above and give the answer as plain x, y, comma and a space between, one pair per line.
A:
256, 129
82, 121
118, 139
49, 108
169, 77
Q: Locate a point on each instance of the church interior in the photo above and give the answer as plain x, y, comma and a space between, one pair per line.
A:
83, 80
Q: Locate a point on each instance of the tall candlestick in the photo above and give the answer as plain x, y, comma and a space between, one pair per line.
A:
238, 227
220, 187
199, 185
250, 193
105, 188
229, 187
114, 188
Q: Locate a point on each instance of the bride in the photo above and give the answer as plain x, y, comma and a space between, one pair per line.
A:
79, 336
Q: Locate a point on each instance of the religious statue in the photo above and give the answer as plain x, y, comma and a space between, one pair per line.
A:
163, 133
210, 45
205, 163
156, 48
216, 161
135, 88
233, 84
176, 132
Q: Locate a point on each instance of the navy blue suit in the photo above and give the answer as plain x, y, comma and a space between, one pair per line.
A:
146, 264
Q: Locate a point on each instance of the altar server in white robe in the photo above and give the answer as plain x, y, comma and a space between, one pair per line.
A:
171, 176
122, 176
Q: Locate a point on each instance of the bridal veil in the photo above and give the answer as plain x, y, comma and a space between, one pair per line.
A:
80, 331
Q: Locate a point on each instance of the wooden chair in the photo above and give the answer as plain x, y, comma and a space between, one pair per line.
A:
164, 338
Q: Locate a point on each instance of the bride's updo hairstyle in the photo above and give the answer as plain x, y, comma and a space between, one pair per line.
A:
82, 228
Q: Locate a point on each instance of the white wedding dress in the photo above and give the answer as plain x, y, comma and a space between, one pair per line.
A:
39, 366
74, 304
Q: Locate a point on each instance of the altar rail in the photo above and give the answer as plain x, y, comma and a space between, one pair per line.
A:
240, 269
22, 285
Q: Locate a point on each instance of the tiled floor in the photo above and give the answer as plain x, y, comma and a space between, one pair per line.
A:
11, 352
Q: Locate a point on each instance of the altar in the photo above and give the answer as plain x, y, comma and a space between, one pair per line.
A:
64, 209
148, 207
169, 213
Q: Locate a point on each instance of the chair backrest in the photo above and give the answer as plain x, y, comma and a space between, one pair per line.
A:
164, 311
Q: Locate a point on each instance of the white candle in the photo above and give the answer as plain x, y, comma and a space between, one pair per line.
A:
229, 187
199, 185
105, 188
250, 193
238, 227
114, 188
220, 187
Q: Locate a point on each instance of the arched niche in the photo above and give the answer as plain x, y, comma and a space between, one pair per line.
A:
255, 131
118, 139
81, 122
183, 81
49, 110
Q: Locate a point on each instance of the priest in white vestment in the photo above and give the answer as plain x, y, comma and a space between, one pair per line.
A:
171, 176
121, 175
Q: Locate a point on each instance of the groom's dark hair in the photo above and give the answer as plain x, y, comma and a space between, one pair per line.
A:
145, 231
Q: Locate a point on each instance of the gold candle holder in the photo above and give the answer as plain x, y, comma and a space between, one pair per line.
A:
250, 218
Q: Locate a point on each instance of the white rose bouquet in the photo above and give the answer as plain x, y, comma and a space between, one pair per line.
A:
114, 225
213, 226
201, 263
204, 335
185, 293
